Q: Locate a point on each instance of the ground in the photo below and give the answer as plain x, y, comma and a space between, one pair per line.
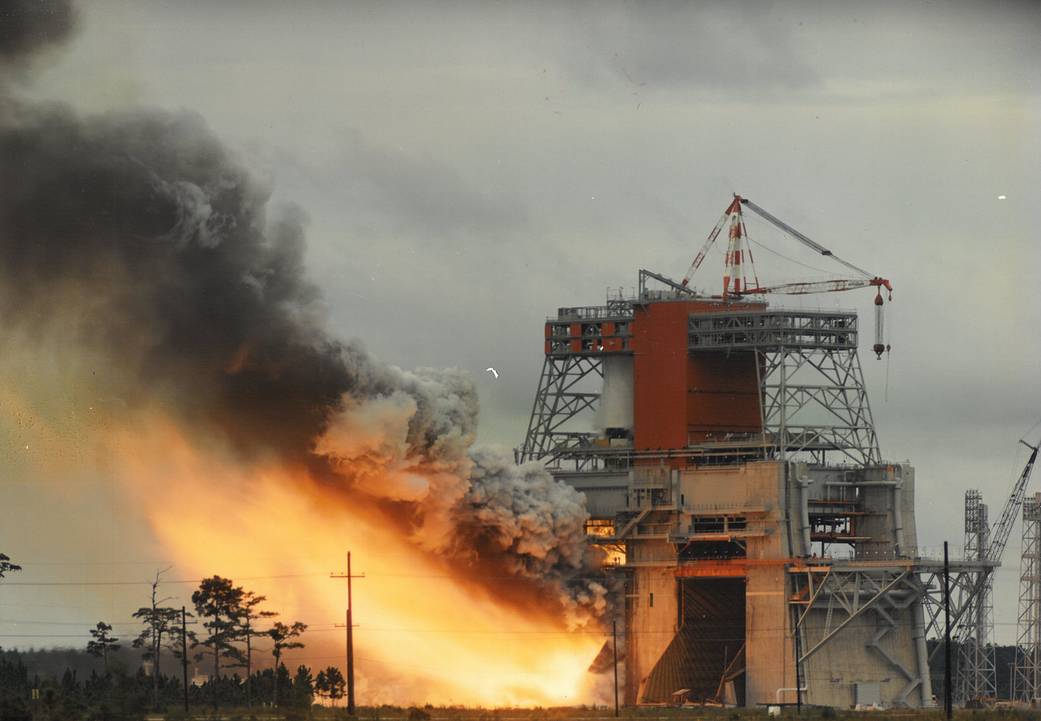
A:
597, 714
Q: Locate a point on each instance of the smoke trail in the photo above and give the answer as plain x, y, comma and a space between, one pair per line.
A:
146, 243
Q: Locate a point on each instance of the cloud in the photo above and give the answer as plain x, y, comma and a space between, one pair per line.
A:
741, 47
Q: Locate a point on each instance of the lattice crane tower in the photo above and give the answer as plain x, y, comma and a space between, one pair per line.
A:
1026, 679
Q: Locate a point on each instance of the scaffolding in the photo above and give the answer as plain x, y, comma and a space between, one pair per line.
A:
1026, 678
813, 397
976, 667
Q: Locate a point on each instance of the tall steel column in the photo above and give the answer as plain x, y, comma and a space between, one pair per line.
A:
1026, 678
560, 397
977, 673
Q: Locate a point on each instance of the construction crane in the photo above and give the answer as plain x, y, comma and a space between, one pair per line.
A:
736, 283
1001, 531
999, 535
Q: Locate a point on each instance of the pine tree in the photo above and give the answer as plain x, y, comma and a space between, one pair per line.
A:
102, 643
247, 631
219, 602
283, 636
321, 684
303, 688
335, 683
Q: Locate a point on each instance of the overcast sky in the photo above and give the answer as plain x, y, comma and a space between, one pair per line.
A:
469, 167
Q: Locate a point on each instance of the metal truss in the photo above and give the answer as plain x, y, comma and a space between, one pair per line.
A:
815, 401
838, 597
557, 401
772, 329
976, 669
813, 393
813, 397
968, 579
1026, 678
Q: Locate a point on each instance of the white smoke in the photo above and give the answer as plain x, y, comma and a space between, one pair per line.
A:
411, 440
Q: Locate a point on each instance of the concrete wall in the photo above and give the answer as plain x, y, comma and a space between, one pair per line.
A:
759, 491
606, 492
772, 497
651, 624
769, 656
850, 658
888, 497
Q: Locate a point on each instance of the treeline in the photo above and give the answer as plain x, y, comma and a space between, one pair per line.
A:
1004, 657
123, 696
225, 629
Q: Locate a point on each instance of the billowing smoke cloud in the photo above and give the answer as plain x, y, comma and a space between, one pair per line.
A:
533, 525
147, 243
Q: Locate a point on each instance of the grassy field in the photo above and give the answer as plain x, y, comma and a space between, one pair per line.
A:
387, 713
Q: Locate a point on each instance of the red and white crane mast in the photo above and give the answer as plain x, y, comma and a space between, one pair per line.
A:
735, 282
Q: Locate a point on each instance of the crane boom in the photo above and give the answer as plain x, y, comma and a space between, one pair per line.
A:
999, 535
1000, 532
737, 284
777, 222
822, 286
704, 250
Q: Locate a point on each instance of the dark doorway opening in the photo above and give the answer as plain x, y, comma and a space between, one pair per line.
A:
706, 659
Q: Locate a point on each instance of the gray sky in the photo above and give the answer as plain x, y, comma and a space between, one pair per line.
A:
469, 167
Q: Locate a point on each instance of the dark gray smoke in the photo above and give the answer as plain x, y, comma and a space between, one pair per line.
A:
147, 220
138, 237
28, 26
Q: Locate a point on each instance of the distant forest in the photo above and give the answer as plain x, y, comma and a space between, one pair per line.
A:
74, 676
117, 678
68, 684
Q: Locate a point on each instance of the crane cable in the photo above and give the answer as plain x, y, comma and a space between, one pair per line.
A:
802, 238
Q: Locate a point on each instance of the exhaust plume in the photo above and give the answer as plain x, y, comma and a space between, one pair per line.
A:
136, 240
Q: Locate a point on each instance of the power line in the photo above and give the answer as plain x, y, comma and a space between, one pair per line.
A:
149, 583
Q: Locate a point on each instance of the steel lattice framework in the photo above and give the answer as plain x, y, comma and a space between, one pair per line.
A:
976, 669
558, 400
1026, 679
813, 392
844, 594
814, 400
836, 390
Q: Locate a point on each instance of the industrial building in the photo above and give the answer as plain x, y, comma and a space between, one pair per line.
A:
729, 459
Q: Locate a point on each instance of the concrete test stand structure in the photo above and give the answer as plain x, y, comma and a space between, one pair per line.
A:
731, 467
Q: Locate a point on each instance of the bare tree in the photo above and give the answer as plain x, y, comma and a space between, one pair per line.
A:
160, 625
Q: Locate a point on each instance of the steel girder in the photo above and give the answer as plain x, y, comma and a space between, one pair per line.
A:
827, 385
1026, 678
976, 670
557, 401
843, 596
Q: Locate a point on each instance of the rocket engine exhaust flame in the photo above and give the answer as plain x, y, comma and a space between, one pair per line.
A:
137, 241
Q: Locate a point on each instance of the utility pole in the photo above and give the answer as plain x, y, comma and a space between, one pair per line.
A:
798, 673
249, 664
350, 634
184, 654
614, 647
947, 703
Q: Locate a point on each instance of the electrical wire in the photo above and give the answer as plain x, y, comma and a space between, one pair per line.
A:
149, 583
